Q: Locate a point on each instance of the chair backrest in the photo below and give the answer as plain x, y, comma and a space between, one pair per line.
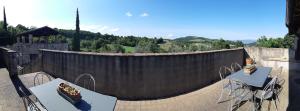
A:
41, 78
223, 71
86, 80
269, 88
235, 67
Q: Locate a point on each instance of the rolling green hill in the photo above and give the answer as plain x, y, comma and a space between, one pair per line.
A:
192, 38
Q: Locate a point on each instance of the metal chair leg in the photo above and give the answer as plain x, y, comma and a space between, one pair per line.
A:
275, 104
220, 97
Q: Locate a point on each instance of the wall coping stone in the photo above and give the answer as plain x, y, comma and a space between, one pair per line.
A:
143, 54
8, 50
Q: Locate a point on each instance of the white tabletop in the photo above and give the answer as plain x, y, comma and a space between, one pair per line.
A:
91, 101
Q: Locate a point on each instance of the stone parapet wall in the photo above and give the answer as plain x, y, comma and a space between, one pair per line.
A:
9, 60
33, 48
273, 57
261, 53
142, 76
33, 66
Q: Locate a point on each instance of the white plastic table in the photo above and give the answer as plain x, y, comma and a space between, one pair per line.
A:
91, 101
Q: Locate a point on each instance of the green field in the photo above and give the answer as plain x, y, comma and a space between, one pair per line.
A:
129, 49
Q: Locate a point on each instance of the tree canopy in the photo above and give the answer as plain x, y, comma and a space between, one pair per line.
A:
76, 39
285, 42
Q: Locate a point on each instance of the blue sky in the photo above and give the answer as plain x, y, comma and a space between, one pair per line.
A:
228, 19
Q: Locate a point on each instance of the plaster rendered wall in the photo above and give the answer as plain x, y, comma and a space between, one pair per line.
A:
142, 76
273, 57
9, 59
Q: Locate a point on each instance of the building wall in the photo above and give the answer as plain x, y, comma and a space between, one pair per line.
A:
25, 50
142, 76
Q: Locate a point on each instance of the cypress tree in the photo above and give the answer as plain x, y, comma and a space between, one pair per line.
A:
7, 39
4, 20
76, 39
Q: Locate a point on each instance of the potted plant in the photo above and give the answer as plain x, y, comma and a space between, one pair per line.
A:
249, 61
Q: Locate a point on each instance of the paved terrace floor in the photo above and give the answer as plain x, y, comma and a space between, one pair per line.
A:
200, 100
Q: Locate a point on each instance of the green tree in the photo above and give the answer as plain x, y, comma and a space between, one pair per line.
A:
105, 48
128, 41
98, 43
147, 46
86, 44
61, 38
175, 48
52, 39
160, 41
112, 48
286, 42
76, 39
155, 48
221, 44
193, 47
117, 48
12, 33
263, 42
4, 20
20, 28
6, 39
239, 44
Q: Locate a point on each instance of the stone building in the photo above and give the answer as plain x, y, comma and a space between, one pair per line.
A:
27, 50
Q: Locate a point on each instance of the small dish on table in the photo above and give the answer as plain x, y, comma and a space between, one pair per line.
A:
69, 93
249, 69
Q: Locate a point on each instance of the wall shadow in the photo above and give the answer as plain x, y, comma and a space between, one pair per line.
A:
294, 82
19, 84
2, 63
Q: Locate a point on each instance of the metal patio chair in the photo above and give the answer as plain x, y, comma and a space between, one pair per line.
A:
268, 93
235, 67
240, 95
228, 86
279, 82
41, 78
86, 80
29, 103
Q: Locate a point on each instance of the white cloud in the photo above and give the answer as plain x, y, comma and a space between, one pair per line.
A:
114, 29
102, 28
170, 35
94, 28
128, 14
144, 14
99, 28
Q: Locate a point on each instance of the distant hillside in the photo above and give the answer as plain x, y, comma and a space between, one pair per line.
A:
251, 44
248, 41
192, 38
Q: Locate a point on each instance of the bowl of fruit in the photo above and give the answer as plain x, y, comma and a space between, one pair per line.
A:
68, 92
